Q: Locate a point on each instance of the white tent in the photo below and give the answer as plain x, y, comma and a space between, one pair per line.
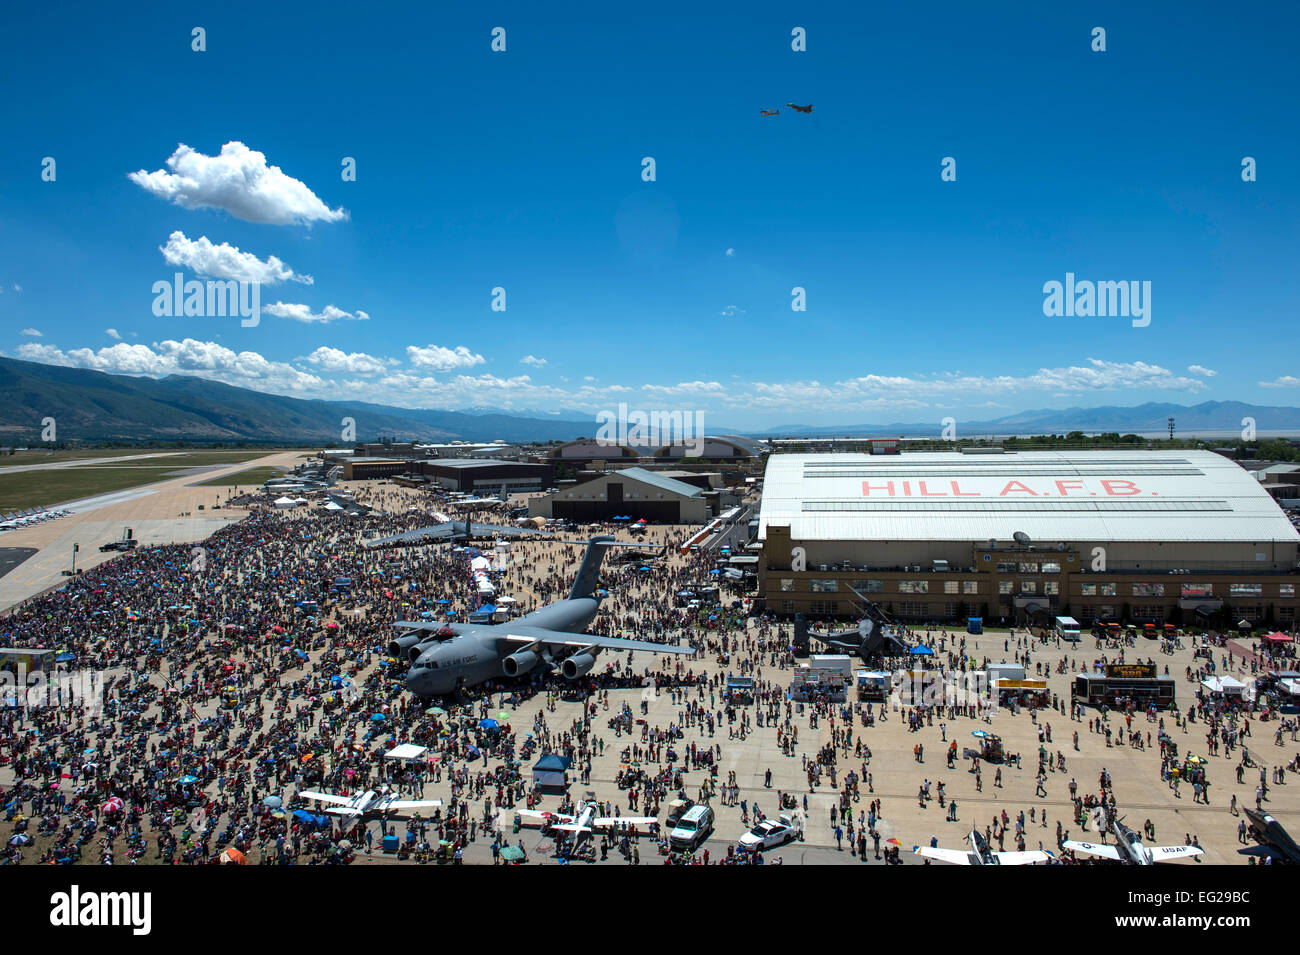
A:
301, 500
406, 751
1225, 685
331, 506
285, 502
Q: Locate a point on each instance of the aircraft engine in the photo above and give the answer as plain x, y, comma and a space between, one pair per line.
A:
398, 646
520, 662
577, 665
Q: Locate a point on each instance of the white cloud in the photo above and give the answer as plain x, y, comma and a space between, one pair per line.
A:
17, 287
532, 360
31, 332
303, 313
731, 311
209, 360
226, 262
1286, 381
695, 388
1202, 371
437, 358
112, 333
356, 363
238, 181
731, 252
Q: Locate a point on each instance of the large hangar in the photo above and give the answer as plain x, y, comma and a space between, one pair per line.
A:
1152, 536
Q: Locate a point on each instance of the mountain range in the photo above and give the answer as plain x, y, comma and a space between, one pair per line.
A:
92, 406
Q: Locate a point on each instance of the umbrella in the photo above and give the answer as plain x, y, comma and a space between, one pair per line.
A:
273, 802
503, 716
21, 839
893, 842
434, 711
114, 804
922, 651
512, 854
233, 857
186, 780
377, 717
1195, 760
980, 734
488, 724
442, 600
331, 625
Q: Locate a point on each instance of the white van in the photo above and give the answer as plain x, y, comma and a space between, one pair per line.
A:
1066, 628
692, 829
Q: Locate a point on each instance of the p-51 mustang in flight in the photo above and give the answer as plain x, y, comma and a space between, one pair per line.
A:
445, 658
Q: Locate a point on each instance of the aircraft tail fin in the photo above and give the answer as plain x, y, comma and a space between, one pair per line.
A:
589, 573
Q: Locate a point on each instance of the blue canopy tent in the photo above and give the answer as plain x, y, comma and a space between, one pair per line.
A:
922, 651
550, 771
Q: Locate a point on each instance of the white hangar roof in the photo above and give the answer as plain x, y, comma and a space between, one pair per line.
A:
1049, 495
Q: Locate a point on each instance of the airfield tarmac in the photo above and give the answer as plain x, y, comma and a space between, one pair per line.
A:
896, 775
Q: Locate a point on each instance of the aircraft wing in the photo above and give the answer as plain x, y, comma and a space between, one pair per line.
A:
560, 638
1022, 858
1166, 853
622, 822
533, 816
953, 856
432, 532
571, 827
328, 797
1093, 849
401, 804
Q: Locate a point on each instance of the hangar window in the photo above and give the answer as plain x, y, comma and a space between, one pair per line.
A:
1108, 590
950, 586
822, 606
787, 583
1005, 567
1051, 567
1029, 586
1286, 590
911, 609
1029, 567
1006, 586
1286, 614
914, 586
1197, 590
1089, 590
824, 585
970, 586
869, 586
1051, 587
1246, 590
1148, 590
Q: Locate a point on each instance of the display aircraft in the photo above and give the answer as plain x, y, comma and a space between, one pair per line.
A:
1129, 848
445, 658
369, 803
585, 822
980, 853
1274, 842
454, 530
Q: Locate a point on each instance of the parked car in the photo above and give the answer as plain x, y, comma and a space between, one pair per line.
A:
768, 834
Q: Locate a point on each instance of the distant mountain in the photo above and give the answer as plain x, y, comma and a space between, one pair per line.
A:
1152, 417
94, 406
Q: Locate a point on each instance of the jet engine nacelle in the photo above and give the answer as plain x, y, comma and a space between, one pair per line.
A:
520, 662
399, 646
577, 665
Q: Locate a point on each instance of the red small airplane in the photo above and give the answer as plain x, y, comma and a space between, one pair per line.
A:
802, 109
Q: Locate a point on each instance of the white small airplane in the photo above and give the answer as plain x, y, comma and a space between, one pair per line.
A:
981, 853
586, 821
1129, 848
369, 803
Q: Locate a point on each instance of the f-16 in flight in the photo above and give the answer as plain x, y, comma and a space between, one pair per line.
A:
1274, 842
980, 853
802, 109
1128, 848
448, 657
369, 803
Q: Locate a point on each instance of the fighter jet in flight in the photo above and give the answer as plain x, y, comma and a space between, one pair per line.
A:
802, 109
549, 638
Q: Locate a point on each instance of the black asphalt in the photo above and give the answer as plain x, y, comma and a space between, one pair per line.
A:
11, 557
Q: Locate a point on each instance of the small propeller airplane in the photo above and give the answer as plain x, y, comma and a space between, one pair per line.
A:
585, 822
369, 803
980, 853
769, 112
1128, 848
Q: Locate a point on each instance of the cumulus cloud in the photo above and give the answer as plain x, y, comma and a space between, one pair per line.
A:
1286, 381
731, 252
356, 363
303, 313
246, 369
239, 181
31, 333
694, 388
437, 358
731, 311
112, 333
226, 262
1202, 371
532, 360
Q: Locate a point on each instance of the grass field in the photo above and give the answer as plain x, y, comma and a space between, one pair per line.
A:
191, 459
43, 457
46, 488
247, 478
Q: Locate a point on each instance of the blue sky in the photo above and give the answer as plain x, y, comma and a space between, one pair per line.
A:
522, 170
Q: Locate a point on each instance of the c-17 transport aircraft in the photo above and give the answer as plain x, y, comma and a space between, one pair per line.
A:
463, 655
981, 853
1128, 848
369, 803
